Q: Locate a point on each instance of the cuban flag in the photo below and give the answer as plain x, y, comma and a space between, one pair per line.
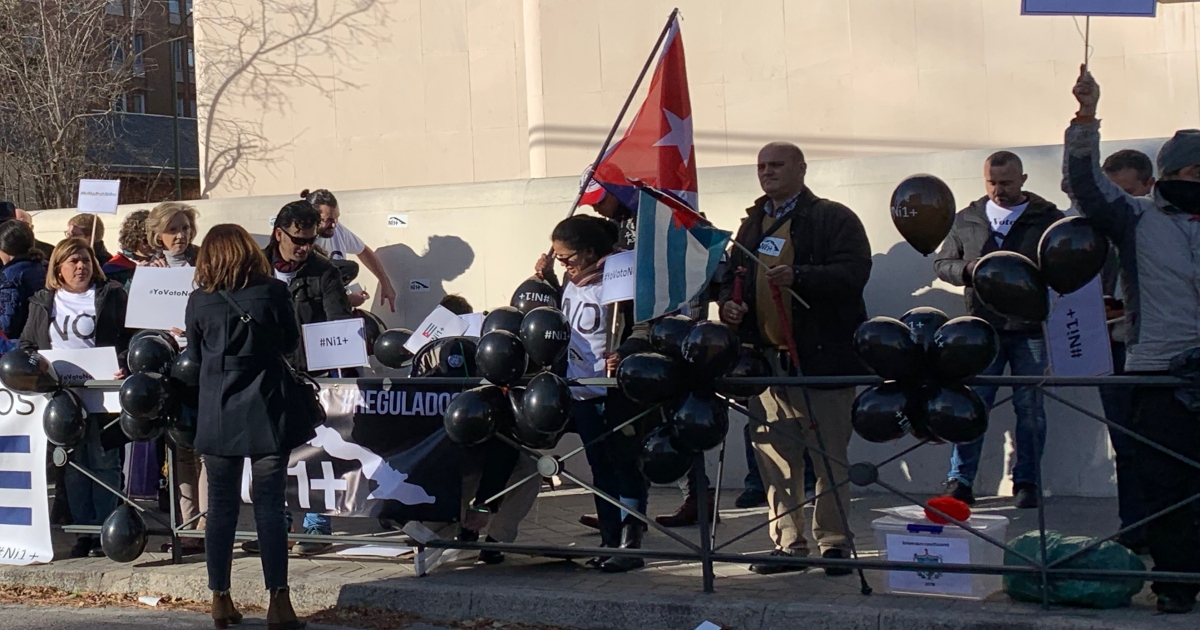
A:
676, 255
657, 149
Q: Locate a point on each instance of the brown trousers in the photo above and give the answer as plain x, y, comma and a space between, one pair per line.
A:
191, 484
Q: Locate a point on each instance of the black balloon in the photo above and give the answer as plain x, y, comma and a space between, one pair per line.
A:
649, 377
64, 418
144, 395
507, 318
123, 535
924, 322
659, 461
1011, 285
546, 406
181, 430
751, 364
887, 346
161, 334
669, 333
533, 439
534, 293
1071, 253
963, 347
472, 416
956, 414
186, 370
390, 350
710, 350
923, 211
27, 372
151, 354
883, 413
373, 327
500, 357
546, 334
699, 423
140, 430
918, 397
516, 399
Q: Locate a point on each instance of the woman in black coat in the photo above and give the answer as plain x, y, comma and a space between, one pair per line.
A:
241, 323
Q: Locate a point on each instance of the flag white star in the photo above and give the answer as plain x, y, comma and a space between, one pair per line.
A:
679, 137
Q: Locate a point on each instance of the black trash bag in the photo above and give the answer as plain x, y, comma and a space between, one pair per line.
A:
1109, 593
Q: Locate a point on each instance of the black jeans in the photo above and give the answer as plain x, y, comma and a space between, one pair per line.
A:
1118, 401
268, 482
1174, 538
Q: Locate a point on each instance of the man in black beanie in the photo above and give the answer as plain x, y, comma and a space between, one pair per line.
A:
1158, 244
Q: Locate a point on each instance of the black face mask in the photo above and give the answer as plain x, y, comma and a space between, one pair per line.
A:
1181, 194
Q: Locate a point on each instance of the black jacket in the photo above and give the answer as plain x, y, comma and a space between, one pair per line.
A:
242, 400
832, 264
972, 237
110, 320
318, 295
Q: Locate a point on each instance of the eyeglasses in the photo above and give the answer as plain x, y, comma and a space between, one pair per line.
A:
566, 260
298, 241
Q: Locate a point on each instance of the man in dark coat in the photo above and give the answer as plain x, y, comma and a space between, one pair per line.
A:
1006, 219
818, 249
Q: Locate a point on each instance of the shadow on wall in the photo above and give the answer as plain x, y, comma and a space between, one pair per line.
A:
420, 279
901, 280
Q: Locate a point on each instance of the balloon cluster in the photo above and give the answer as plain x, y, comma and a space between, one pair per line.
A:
924, 357
1070, 253
518, 340
683, 374
162, 382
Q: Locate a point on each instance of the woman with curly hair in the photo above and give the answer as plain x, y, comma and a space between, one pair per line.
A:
134, 251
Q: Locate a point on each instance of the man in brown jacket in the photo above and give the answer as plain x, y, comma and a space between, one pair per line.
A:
818, 249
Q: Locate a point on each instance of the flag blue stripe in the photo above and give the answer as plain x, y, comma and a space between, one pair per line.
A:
14, 444
643, 301
15, 480
677, 244
16, 516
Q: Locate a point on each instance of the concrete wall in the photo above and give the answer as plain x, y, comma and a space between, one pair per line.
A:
421, 92
480, 240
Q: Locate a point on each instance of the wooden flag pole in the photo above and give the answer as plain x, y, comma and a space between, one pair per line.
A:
764, 265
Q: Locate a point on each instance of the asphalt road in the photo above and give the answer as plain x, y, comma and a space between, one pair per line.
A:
49, 618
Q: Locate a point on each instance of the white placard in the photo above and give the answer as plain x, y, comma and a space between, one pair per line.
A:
24, 511
98, 196
158, 297
76, 366
336, 344
474, 324
619, 278
932, 550
419, 285
1077, 339
1126, 8
354, 288
440, 323
397, 220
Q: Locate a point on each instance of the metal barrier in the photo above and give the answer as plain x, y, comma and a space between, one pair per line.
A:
707, 551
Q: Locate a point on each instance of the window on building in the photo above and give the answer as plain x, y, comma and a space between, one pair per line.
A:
119, 103
177, 57
173, 9
180, 107
137, 103
139, 63
192, 108
115, 7
191, 62
117, 52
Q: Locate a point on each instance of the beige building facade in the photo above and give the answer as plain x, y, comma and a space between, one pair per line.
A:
363, 94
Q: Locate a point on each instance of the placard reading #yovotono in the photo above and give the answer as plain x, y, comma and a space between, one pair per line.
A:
24, 511
1077, 333
1126, 8
440, 323
74, 367
158, 297
336, 344
98, 196
619, 279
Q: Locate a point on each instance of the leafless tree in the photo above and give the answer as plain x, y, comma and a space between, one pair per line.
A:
63, 65
251, 56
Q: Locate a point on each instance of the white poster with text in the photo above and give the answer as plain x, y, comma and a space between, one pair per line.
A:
74, 367
158, 297
98, 196
440, 323
1077, 333
24, 511
934, 551
619, 278
336, 344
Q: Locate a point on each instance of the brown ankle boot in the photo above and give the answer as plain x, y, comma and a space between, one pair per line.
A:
224, 613
280, 615
688, 513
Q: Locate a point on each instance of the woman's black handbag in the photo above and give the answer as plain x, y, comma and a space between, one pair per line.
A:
300, 390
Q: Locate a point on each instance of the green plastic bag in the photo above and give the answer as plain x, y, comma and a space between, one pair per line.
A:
1109, 593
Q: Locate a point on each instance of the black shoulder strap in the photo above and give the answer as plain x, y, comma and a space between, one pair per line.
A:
237, 308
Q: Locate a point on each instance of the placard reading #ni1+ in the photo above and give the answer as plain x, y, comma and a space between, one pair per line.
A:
336, 344
158, 297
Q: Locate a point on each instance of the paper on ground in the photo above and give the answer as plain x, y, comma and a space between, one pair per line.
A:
376, 551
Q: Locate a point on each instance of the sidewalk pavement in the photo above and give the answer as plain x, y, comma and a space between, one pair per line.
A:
666, 595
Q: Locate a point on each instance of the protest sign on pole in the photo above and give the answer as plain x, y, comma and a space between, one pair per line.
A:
98, 196
1077, 333
619, 282
158, 297
1124, 8
74, 367
337, 344
440, 323
24, 511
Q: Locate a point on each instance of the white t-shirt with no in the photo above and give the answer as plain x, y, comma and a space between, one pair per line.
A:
1002, 219
343, 243
73, 320
589, 332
